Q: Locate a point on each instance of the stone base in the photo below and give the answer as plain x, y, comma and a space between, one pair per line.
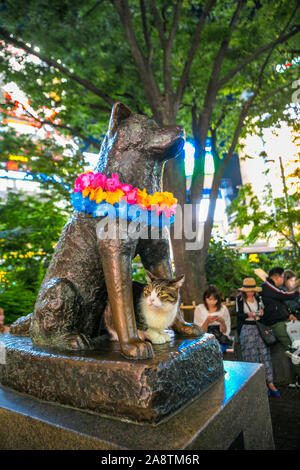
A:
236, 406
106, 383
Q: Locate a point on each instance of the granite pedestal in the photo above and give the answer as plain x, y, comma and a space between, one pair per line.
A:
106, 383
234, 403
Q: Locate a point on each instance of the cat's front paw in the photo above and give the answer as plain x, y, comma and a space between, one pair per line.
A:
158, 337
167, 337
137, 349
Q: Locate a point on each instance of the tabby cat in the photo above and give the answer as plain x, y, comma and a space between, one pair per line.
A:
155, 308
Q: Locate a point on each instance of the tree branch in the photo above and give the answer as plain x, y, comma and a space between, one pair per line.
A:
220, 172
167, 44
98, 106
212, 88
265, 98
191, 54
72, 130
159, 24
292, 242
148, 80
256, 54
174, 26
51, 62
146, 32
97, 4
209, 102
244, 112
168, 53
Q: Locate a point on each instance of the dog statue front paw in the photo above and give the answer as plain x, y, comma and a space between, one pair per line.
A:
137, 349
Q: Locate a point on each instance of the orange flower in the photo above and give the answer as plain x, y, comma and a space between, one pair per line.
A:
114, 196
100, 195
93, 194
86, 192
143, 199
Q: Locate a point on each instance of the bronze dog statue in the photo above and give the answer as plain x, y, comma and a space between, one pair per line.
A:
86, 270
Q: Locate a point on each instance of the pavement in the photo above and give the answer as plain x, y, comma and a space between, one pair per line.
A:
285, 416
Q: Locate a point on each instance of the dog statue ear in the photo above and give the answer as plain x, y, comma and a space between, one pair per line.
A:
119, 112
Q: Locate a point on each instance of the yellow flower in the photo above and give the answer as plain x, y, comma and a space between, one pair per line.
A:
168, 198
143, 198
165, 199
114, 196
100, 195
93, 194
86, 192
155, 199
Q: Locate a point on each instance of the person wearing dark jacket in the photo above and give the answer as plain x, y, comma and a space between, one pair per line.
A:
274, 297
275, 311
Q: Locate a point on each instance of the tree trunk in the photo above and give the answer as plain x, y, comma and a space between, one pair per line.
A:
186, 261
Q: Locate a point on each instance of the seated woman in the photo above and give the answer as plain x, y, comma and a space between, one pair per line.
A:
249, 308
214, 317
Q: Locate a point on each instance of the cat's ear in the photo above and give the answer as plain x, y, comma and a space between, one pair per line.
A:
119, 112
178, 282
149, 276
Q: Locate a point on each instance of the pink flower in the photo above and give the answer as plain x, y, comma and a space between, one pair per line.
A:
173, 209
83, 181
126, 188
168, 211
113, 183
99, 181
131, 196
157, 208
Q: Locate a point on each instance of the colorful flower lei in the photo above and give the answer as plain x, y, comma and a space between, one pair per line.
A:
96, 194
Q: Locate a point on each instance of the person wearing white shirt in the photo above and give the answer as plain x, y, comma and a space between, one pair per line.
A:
214, 317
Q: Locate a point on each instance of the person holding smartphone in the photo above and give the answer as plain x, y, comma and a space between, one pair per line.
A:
214, 317
249, 308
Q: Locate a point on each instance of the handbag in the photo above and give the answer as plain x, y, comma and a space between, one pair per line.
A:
266, 333
223, 339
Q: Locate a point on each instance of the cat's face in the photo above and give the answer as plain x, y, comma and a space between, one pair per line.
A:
162, 293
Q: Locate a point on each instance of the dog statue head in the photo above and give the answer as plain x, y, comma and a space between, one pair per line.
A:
136, 148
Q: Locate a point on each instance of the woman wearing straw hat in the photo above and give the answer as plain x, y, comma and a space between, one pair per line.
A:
249, 308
